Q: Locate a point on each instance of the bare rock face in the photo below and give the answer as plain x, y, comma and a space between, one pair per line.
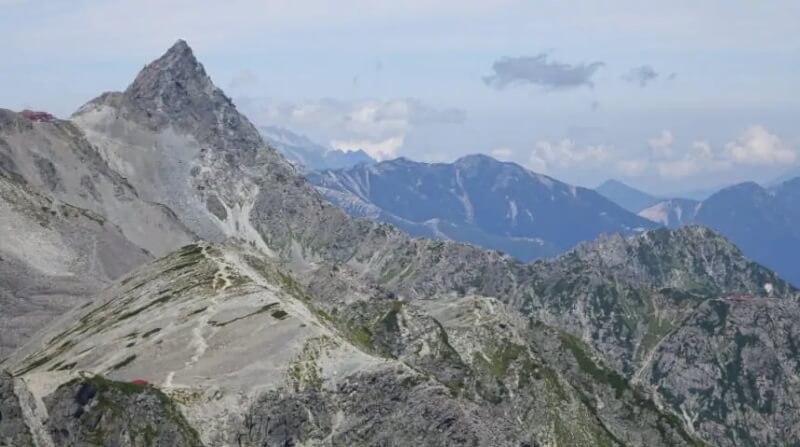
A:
175, 91
737, 381
97, 411
14, 430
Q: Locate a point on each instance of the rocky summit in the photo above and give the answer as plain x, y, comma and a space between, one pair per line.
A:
174, 281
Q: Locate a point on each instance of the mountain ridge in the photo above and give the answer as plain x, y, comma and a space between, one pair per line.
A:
626, 196
308, 155
760, 220
459, 201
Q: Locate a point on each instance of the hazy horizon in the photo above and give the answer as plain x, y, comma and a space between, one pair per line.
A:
690, 95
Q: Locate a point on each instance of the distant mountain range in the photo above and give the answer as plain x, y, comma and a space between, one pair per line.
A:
502, 206
626, 196
763, 222
302, 151
635, 200
480, 200
786, 176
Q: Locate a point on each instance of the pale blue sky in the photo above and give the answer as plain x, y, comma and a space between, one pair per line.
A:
409, 78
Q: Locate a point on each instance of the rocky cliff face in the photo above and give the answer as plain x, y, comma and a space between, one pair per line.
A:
295, 324
738, 381
96, 411
763, 222
14, 429
624, 295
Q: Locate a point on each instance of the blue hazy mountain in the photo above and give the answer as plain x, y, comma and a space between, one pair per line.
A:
305, 153
763, 222
480, 200
626, 196
785, 177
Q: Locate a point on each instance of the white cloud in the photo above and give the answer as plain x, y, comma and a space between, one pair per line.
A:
632, 168
380, 127
678, 168
698, 159
502, 153
661, 146
757, 146
546, 155
381, 150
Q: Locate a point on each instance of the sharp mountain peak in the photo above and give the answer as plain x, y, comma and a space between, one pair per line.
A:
176, 71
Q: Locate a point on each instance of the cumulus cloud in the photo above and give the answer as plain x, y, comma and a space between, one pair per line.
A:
538, 70
379, 150
502, 153
757, 146
699, 158
632, 168
380, 127
661, 145
641, 75
565, 153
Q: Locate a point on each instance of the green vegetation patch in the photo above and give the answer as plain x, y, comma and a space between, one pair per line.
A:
500, 360
261, 310
279, 314
588, 366
127, 361
197, 311
161, 300
113, 401
151, 332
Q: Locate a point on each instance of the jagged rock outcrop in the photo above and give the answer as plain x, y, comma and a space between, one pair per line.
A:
763, 222
624, 295
97, 411
14, 430
731, 371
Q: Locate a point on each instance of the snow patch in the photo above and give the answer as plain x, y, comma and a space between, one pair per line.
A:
512, 211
